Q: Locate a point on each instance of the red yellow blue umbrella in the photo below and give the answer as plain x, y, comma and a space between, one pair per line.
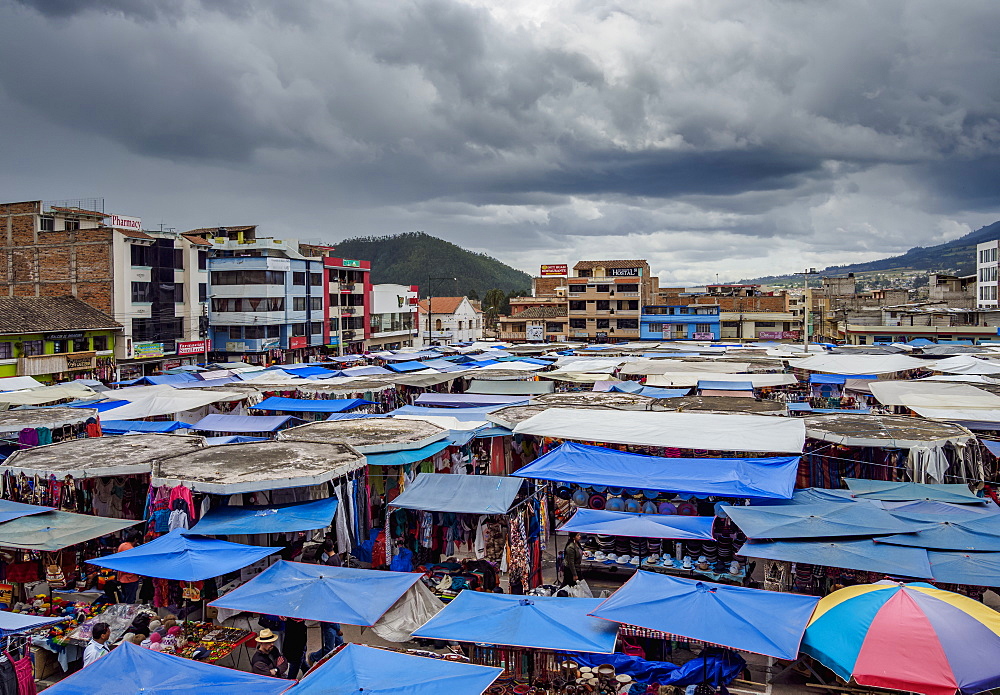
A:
912, 637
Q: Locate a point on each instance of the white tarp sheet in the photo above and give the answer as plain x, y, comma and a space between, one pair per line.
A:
169, 403
588, 364
577, 377
933, 394
692, 379
967, 364
722, 432
413, 609
16, 383
862, 364
50, 394
662, 366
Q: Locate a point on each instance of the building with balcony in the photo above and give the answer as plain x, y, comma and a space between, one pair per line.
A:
268, 298
394, 317
535, 324
152, 282
446, 320
986, 273
604, 299
688, 322
350, 294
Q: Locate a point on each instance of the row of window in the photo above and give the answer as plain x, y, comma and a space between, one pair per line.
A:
680, 311
312, 328
163, 255
391, 322
605, 304
988, 255
265, 277
249, 304
31, 348
988, 292
148, 292
625, 287
988, 274
698, 327
605, 323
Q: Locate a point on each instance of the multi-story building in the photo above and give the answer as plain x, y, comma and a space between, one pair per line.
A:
986, 273
604, 299
684, 322
535, 324
269, 299
394, 317
448, 320
56, 339
349, 288
152, 282
939, 324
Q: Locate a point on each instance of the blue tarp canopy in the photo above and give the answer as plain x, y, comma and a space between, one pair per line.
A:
837, 378
217, 422
443, 365
401, 458
123, 426
310, 405
184, 556
14, 623
649, 391
320, 592
460, 494
725, 385
407, 366
460, 414
611, 523
821, 520
906, 492
956, 567
752, 620
496, 431
980, 533
167, 379
280, 518
101, 406
15, 510
539, 622
407, 356
358, 668
864, 555
992, 445
595, 465
233, 439
306, 372
809, 495
467, 400
355, 416
130, 669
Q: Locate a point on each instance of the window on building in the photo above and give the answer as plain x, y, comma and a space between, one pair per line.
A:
202, 260
60, 346
603, 288
273, 331
202, 291
298, 330
81, 344
577, 305
316, 303
30, 348
298, 278
585, 273
178, 293
554, 327
628, 287
765, 324
47, 224
603, 305
730, 324
628, 323
315, 279
577, 288
142, 292
461, 325
157, 329
315, 328
141, 256
99, 342
71, 225
438, 325
253, 332
578, 323
6, 351
703, 328
603, 323
248, 277
298, 303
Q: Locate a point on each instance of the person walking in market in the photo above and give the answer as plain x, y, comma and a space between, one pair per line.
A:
266, 660
572, 560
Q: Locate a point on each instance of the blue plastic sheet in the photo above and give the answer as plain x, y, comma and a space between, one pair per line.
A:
906, 492
309, 405
837, 378
957, 567
281, 518
307, 372
468, 400
183, 556
725, 385
557, 623
751, 620
820, 520
609, 523
407, 366
15, 510
130, 669
594, 465
100, 407
460, 494
355, 416
981, 533
14, 623
320, 592
123, 426
713, 665
401, 458
233, 439
360, 669
218, 422
864, 555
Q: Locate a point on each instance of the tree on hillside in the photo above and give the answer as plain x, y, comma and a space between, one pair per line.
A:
473, 294
493, 305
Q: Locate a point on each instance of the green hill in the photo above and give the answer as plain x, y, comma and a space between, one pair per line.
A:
957, 256
413, 257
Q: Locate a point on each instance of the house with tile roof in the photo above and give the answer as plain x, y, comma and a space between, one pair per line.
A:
448, 320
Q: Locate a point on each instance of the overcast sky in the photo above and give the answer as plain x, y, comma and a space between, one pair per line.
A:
738, 138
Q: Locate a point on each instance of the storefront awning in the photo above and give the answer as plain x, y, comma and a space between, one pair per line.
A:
282, 518
460, 494
609, 523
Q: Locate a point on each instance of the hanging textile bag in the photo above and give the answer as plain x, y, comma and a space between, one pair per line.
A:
54, 576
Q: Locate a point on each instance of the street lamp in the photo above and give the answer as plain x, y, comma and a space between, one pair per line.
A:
430, 299
805, 309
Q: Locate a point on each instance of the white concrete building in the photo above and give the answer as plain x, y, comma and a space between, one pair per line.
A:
393, 317
986, 273
451, 320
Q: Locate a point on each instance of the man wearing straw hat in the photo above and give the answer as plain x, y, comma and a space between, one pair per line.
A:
266, 660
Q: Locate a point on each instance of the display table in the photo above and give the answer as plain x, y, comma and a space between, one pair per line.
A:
676, 568
220, 641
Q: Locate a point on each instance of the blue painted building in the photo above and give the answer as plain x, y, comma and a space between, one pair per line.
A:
693, 322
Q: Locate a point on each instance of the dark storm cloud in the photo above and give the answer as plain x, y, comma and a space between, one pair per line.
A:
834, 128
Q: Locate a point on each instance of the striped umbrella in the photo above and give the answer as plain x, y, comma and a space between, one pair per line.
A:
908, 637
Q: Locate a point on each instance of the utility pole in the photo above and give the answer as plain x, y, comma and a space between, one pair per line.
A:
806, 306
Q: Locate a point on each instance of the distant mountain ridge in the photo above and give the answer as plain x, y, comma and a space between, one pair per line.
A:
957, 256
411, 258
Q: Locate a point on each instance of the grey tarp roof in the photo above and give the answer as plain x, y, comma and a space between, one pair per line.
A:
510, 388
53, 531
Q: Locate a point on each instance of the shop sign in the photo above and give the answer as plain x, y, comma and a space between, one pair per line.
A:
352, 264
146, 350
668, 332
624, 272
333, 342
555, 269
703, 336
790, 335
771, 335
170, 364
123, 222
236, 347
535, 333
270, 343
64, 336
298, 342
193, 347
81, 360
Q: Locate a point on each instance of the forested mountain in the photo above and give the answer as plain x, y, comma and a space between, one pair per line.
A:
414, 257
